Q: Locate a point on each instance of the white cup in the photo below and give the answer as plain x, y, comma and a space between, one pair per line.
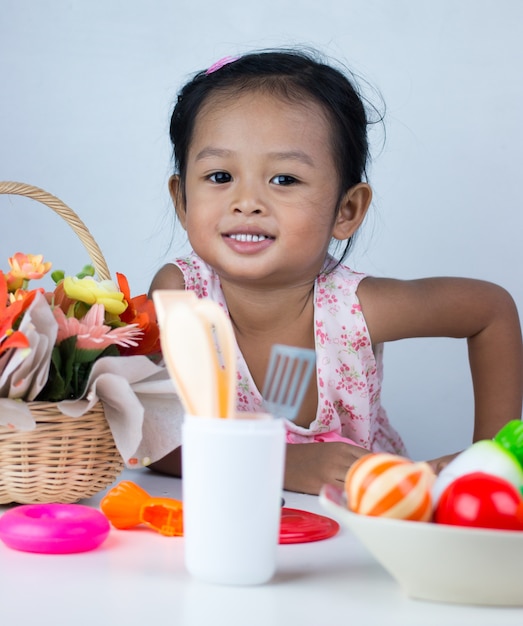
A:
232, 484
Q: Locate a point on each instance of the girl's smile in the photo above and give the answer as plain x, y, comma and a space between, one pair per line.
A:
247, 242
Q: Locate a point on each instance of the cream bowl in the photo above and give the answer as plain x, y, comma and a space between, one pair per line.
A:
438, 562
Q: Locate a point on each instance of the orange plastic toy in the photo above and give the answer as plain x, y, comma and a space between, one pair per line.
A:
128, 505
388, 485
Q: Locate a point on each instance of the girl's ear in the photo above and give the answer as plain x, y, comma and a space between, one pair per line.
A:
352, 211
175, 190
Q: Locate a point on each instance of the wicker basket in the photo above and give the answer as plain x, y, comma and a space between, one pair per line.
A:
63, 459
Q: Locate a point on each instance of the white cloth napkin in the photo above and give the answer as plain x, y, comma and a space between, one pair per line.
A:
141, 405
24, 375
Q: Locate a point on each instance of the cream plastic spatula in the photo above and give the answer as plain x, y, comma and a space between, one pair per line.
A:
199, 349
167, 298
221, 336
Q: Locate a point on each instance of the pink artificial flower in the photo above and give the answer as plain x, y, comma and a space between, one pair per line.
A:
92, 333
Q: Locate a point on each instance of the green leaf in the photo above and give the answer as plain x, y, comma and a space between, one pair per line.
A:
87, 270
87, 356
58, 276
54, 389
70, 369
59, 384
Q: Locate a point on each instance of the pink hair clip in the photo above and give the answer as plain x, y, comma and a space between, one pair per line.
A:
219, 64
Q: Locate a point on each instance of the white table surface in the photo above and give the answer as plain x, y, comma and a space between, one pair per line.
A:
137, 577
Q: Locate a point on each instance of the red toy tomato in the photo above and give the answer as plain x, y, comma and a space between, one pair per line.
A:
481, 500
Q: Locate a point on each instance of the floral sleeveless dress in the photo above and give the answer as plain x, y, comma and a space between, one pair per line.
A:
348, 367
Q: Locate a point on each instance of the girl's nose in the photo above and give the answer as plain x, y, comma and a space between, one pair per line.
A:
248, 200
247, 208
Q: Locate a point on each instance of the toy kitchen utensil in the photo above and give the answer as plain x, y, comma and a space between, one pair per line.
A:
287, 379
199, 348
127, 505
167, 298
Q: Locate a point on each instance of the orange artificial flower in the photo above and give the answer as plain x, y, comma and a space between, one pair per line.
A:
58, 298
140, 311
9, 313
28, 266
14, 283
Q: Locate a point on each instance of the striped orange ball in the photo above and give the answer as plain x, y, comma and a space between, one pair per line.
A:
388, 485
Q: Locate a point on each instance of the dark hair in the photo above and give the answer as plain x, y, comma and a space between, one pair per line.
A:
292, 76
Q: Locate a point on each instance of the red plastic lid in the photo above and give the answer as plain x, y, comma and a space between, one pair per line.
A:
302, 526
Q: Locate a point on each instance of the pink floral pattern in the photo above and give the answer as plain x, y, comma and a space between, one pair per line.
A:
348, 366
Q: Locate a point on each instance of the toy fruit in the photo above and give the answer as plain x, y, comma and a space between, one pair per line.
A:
488, 456
511, 438
481, 500
388, 485
128, 505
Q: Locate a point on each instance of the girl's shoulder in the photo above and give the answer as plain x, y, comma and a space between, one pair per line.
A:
340, 276
182, 273
168, 277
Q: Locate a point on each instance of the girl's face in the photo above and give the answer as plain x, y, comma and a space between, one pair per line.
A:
261, 189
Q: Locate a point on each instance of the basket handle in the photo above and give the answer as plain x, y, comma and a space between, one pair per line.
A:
54, 203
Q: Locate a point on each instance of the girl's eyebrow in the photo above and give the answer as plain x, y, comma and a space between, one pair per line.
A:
209, 151
286, 155
292, 155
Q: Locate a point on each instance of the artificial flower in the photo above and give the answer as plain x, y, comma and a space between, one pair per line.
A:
140, 311
63, 332
58, 297
14, 339
91, 291
14, 283
9, 314
91, 332
28, 266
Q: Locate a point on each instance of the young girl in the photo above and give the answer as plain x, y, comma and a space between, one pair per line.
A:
270, 152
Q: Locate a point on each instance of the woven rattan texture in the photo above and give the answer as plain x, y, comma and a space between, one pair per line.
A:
65, 459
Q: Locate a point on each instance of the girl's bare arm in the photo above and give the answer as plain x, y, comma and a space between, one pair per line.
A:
481, 312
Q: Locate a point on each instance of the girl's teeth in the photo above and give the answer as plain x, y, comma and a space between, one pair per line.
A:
249, 238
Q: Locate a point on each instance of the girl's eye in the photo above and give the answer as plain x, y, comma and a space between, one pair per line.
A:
220, 178
283, 179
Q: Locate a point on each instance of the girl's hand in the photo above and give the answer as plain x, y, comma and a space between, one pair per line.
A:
308, 466
170, 464
441, 462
